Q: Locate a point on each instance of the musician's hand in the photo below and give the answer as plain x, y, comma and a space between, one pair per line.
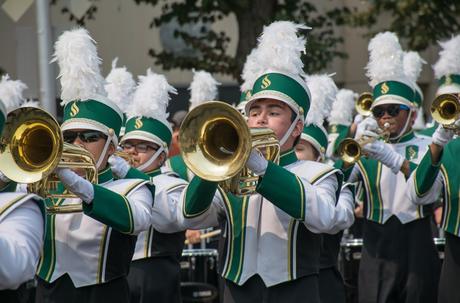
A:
257, 163
442, 136
76, 184
119, 166
359, 209
193, 236
383, 152
368, 128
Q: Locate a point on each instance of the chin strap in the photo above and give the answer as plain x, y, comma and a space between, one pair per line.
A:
403, 130
289, 131
151, 160
106, 147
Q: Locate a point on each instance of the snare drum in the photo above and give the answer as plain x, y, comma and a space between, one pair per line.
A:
349, 258
199, 277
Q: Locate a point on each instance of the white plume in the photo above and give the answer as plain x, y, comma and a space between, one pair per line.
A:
343, 107
203, 88
280, 48
412, 63
449, 58
31, 103
76, 55
323, 92
385, 59
11, 92
251, 70
151, 97
120, 86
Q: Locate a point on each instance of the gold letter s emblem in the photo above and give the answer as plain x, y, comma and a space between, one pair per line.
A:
265, 82
74, 109
384, 89
138, 124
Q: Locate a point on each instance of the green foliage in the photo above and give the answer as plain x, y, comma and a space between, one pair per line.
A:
253, 15
420, 23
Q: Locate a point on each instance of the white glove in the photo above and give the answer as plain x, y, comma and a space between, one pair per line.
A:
358, 119
382, 152
119, 166
76, 184
442, 136
4, 178
257, 163
367, 128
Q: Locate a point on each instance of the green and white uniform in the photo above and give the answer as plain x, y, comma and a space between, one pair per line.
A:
21, 239
97, 245
272, 233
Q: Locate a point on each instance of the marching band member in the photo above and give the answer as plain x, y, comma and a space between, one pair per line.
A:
86, 255
399, 260
272, 246
155, 271
21, 218
340, 120
312, 146
119, 85
412, 64
438, 173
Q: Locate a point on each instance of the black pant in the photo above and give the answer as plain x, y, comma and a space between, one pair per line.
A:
331, 288
304, 289
24, 294
399, 263
63, 291
155, 279
449, 288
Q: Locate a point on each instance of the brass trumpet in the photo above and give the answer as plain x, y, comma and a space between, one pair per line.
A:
32, 147
216, 143
445, 110
364, 103
351, 150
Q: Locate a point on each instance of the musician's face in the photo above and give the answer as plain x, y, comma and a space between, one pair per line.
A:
305, 151
396, 119
94, 145
142, 151
277, 116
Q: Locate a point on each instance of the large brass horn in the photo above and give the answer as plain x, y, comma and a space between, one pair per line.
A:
445, 110
216, 143
351, 150
364, 103
32, 147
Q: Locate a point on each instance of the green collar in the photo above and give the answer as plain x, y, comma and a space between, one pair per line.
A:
404, 138
154, 172
105, 175
288, 157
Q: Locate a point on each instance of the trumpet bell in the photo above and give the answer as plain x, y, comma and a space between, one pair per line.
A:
445, 109
349, 150
364, 103
30, 145
215, 141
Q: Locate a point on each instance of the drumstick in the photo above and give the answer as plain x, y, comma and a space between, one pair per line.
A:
207, 235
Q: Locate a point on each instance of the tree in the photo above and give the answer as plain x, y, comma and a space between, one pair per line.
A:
420, 23
251, 16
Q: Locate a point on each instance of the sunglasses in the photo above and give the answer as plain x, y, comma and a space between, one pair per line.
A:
86, 136
140, 147
393, 110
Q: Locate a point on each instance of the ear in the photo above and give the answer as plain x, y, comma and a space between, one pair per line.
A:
413, 116
111, 150
297, 129
162, 158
